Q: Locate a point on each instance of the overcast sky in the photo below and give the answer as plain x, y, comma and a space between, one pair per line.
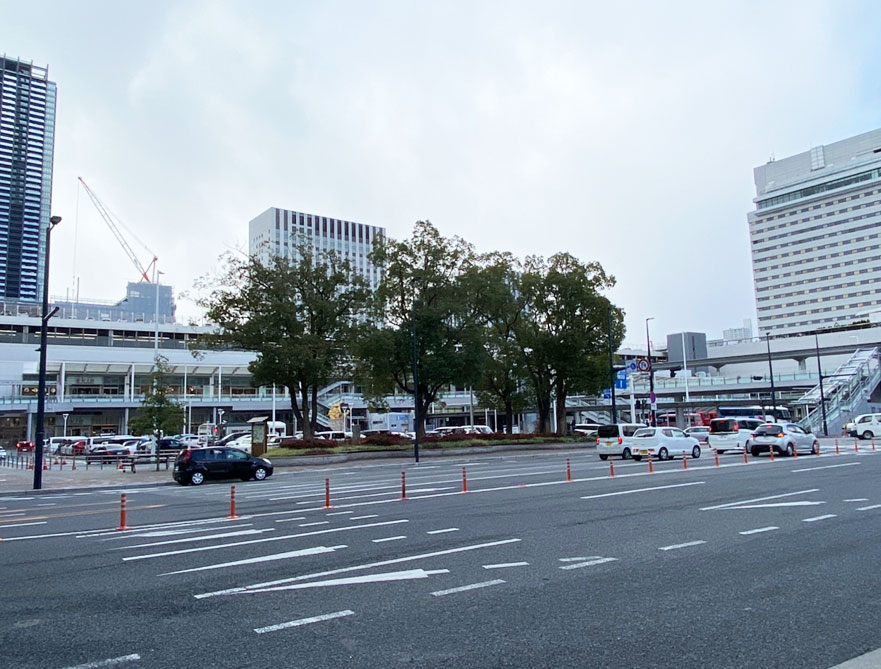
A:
625, 134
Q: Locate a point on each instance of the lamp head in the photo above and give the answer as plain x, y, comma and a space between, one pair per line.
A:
54, 220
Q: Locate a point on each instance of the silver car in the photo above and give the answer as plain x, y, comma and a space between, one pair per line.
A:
785, 438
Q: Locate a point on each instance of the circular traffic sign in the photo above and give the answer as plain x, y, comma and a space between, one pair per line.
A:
643, 365
632, 365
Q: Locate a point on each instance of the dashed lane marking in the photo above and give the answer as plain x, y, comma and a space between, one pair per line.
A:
318, 522
758, 499
580, 559
506, 565
317, 550
397, 538
678, 546
134, 657
372, 515
304, 621
444, 531
869, 508
340, 513
464, 588
207, 537
630, 492
816, 518
813, 469
356, 580
589, 563
759, 530
858, 499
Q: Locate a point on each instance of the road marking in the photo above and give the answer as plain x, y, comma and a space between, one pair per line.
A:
815, 518
372, 515
11, 514
368, 565
134, 657
170, 532
760, 529
812, 469
677, 546
206, 537
580, 559
505, 565
304, 621
473, 586
869, 508
629, 492
591, 563
773, 505
41, 522
320, 522
261, 541
264, 558
379, 541
340, 513
356, 580
759, 499
290, 520
444, 531
858, 499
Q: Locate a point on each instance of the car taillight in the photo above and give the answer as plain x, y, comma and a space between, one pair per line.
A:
752, 435
620, 441
598, 441
736, 428
780, 435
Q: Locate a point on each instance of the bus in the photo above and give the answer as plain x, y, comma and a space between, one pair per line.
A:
668, 419
766, 413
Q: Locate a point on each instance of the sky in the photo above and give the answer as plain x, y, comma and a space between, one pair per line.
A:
623, 133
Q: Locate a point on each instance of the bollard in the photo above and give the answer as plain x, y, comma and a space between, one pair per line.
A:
327, 494
745, 459
795, 451
232, 503
873, 443
856, 446
651, 465
684, 461
73, 464
716, 456
611, 469
403, 486
568, 471
771, 452
133, 466
122, 525
837, 452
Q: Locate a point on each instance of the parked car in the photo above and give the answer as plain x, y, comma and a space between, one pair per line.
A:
785, 438
114, 448
731, 434
699, 432
587, 429
225, 441
865, 426
24, 447
664, 443
2, 454
195, 466
336, 435
615, 439
243, 443
187, 439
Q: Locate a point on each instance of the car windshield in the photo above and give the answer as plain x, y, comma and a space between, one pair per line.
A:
645, 432
724, 425
769, 430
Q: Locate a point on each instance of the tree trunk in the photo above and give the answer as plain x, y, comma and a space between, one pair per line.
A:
308, 433
509, 418
315, 405
560, 427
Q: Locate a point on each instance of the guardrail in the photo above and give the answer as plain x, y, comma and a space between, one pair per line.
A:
85, 462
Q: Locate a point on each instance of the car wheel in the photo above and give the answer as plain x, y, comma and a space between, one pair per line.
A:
663, 454
867, 435
637, 458
790, 450
259, 473
754, 452
603, 456
696, 452
625, 454
196, 478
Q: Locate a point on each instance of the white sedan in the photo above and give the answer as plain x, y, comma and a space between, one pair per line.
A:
664, 443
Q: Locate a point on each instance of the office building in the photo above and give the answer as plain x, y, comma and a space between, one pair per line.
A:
815, 237
143, 303
279, 232
27, 139
736, 334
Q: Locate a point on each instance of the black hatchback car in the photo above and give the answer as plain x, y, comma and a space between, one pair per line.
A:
200, 464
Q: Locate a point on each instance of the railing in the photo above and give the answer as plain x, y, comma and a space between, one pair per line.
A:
845, 390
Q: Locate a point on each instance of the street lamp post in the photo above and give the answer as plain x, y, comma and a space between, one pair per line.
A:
652, 398
685, 374
822, 397
415, 388
612, 372
41, 388
65, 415
771, 370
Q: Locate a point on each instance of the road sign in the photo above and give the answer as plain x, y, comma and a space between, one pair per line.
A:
621, 384
632, 365
607, 394
643, 365
622, 373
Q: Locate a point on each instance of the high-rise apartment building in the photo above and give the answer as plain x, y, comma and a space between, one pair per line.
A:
816, 237
279, 232
27, 140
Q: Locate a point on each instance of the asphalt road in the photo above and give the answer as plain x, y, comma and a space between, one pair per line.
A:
771, 564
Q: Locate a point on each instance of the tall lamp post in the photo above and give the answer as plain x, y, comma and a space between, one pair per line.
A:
612, 372
822, 397
652, 398
41, 388
771, 371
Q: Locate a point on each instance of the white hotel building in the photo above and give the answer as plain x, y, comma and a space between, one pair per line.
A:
278, 232
816, 239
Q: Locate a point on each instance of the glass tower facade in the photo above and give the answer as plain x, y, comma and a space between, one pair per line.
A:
27, 140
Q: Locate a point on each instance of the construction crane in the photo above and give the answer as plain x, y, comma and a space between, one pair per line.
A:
114, 228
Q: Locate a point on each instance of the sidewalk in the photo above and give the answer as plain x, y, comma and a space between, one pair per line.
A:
21, 481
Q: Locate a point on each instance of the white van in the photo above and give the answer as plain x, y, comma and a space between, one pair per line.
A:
865, 426
616, 439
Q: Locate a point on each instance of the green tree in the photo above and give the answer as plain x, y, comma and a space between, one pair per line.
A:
422, 308
158, 414
565, 333
298, 316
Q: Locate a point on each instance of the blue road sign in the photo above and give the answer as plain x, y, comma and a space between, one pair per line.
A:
621, 384
607, 394
632, 365
622, 373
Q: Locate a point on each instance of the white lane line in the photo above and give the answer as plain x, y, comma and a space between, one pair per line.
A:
815, 518
858, 499
758, 499
629, 492
813, 469
770, 528
41, 522
355, 580
772, 505
52, 504
505, 565
379, 541
261, 541
589, 563
264, 558
340, 513
290, 520
372, 515
320, 522
869, 508
677, 546
464, 588
304, 621
12, 514
134, 657
444, 531
368, 565
169, 533
580, 559
206, 537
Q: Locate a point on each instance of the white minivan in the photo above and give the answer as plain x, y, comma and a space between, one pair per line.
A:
616, 439
865, 426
